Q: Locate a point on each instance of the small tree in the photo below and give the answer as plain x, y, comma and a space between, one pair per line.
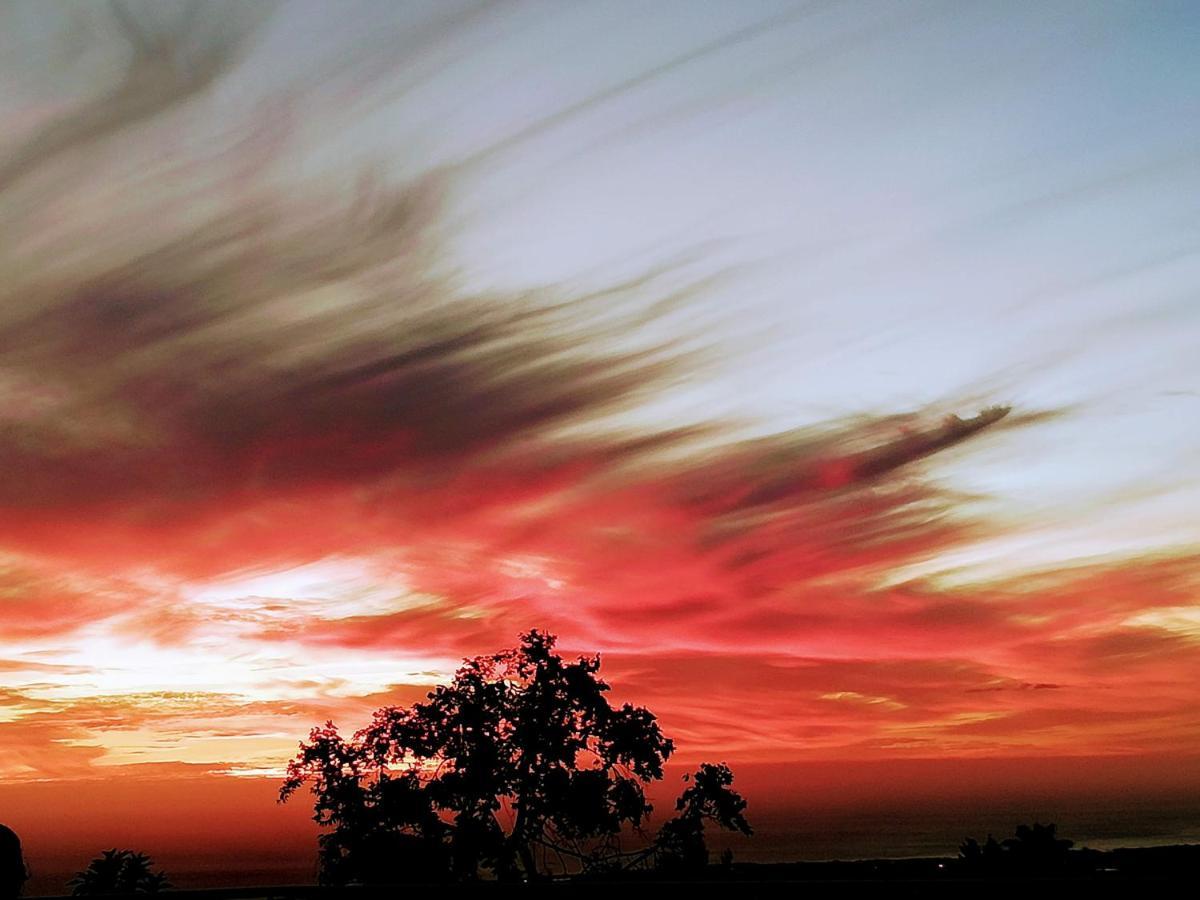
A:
520, 766
710, 799
118, 872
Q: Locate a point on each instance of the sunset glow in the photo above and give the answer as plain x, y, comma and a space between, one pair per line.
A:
829, 370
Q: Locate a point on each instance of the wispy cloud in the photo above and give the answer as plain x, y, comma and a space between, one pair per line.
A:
270, 460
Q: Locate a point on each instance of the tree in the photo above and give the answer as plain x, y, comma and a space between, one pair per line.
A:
986, 858
13, 873
709, 799
118, 872
520, 766
1036, 848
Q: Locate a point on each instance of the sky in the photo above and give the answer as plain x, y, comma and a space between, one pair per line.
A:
829, 368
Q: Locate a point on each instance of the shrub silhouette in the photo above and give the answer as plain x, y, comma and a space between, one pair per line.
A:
118, 872
520, 766
1036, 848
987, 857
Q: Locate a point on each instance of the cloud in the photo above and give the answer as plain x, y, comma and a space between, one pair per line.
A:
215, 366
197, 349
101, 736
168, 66
40, 601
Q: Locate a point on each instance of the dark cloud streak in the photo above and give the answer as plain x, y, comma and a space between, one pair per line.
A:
286, 342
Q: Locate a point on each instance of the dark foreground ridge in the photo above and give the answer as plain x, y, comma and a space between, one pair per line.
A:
1112, 873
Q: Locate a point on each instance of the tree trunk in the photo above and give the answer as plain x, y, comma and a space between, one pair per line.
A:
519, 846
531, 872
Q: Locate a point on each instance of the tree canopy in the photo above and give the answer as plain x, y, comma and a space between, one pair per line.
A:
520, 766
12, 864
121, 872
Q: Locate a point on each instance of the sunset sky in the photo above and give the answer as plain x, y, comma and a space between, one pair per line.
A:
339, 342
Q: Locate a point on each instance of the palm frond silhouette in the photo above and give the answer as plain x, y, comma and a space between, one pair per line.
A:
118, 872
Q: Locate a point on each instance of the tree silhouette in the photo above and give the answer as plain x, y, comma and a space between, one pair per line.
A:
118, 872
520, 766
987, 858
1036, 848
680, 844
13, 873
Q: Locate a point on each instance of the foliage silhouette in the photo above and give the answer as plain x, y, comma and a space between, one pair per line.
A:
13, 873
520, 766
987, 858
1036, 849
680, 844
118, 872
